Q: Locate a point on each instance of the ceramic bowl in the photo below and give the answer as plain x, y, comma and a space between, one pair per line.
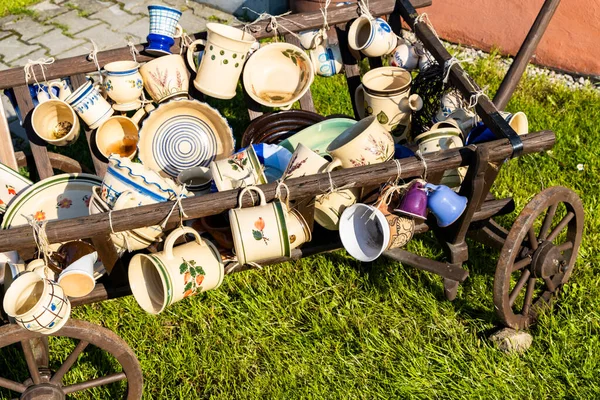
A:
273, 127
318, 136
278, 74
124, 175
183, 134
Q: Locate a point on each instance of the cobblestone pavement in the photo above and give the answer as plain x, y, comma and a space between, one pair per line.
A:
63, 28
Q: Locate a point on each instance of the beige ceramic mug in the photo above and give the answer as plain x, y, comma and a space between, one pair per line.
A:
364, 143
372, 36
55, 122
401, 228
166, 77
123, 84
259, 232
329, 207
119, 135
298, 229
36, 302
239, 170
160, 279
225, 53
90, 104
304, 162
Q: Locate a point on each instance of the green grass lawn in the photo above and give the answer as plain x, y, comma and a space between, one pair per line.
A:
15, 6
331, 327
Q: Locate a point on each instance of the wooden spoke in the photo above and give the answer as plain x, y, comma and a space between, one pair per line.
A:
533, 242
64, 368
521, 263
550, 285
12, 385
565, 246
31, 364
547, 224
105, 380
529, 295
561, 225
517, 289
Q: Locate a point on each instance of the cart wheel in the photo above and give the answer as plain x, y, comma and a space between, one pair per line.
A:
44, 384
539, 253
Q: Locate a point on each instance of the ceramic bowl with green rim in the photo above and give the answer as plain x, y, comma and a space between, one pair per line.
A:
317, 137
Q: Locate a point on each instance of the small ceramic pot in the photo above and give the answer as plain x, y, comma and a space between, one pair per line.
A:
36, 302
304, 162
241, 169
364, 232
373, 37
298, 229
123, 175
364, 143
385, 93
278, 74
197, 179
404, 56
160, 279
55, 122
164, 28
329, 207
443, 135
119, 135
90, 105
326, 60
445, 204
165, 77
123, 83
414, 202
259, 232
225, 52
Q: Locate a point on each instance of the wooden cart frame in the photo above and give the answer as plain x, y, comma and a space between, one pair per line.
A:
541, 264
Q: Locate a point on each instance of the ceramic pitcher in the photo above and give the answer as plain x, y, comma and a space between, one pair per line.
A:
225, 52
160, 279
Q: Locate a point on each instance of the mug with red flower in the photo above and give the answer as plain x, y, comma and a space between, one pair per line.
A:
160, 279
259, 232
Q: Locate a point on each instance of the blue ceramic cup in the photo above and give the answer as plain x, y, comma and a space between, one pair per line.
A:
445, 204
164, 28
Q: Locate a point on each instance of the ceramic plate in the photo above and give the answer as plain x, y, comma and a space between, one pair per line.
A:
318, 136
182, 134
58, 197
11, 184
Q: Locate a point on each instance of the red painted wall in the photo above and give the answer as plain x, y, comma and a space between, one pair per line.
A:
571, 42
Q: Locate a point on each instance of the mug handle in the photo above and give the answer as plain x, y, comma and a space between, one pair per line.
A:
39, 267
190, 52
359, 100
431, 188
260, 193
173, 236
178, 32
333, 164
60, 87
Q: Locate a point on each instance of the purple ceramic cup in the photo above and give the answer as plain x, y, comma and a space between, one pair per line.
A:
414, 202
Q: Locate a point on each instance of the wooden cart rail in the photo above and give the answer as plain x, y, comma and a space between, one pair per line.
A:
309, 186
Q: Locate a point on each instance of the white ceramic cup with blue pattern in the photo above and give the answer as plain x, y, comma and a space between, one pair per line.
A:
89, 104
124, 85
326, 60
373, 37
164, 28
36, 302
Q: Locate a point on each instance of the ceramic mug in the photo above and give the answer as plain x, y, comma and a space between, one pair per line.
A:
55, 122
414, 201
445, 204
298, 229
259, 232
304, 162
62, 87
311, 39
326, 60
77, 280
197, 179
364, 143
373, 37
329, 207
404, 56
241, 169
123, 83
37, 303
385, 93
443, 135
225, 52
449, 103
130, 199
166, 77
119, 135
90, 105
160, 279
364, 232
401, 228
46, 93
164, 28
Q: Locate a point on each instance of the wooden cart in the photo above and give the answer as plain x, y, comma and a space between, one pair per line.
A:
539, 261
